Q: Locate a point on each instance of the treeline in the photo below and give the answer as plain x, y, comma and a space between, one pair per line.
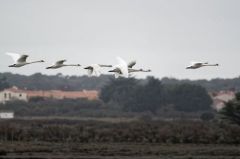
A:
217, 84
37, 107
136, 132
122, 96
129, 94
40, 81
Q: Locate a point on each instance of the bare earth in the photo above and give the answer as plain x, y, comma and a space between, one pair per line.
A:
37, 150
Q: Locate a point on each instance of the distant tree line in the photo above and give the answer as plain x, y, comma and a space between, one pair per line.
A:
40, 81
3, 83
131, 95
217, 84
51, 107
119, 96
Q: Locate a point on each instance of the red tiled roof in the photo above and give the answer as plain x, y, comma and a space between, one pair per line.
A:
58, 94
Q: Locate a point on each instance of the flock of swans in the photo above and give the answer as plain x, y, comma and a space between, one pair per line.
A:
122, 68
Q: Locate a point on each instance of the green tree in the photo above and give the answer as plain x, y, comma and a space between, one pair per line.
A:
3, 83
190, 98
149, 97
119, 91
231, 111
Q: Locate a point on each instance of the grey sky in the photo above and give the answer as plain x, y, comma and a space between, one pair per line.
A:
163, 35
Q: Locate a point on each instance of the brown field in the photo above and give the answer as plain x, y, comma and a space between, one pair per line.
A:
20, 150
57, 138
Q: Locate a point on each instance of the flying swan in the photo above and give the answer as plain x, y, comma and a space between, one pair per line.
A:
121, 69
95, 69
20, 60
196, 65
60, 64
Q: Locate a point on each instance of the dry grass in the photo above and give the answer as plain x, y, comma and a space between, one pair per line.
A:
117, 151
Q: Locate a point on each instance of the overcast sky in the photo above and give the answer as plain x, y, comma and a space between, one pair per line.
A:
163, 35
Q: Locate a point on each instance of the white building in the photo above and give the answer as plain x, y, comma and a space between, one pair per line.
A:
12, 94
6, 115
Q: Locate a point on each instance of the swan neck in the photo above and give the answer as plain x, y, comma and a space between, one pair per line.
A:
34, 62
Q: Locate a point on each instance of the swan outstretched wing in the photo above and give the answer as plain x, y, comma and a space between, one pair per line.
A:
97, 73
23, 58
123, 67
60, 62
90, 72
96, 70
121, 61
117, 75
131, 64
14, 56
198, 63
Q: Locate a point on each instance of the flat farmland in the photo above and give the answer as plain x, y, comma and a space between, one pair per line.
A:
47, 150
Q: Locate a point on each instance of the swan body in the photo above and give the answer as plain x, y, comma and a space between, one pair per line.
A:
60, 64
95, 69
21, 60
196, 65
121, 69
128, 68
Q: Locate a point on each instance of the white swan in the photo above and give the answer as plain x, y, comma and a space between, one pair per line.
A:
95, 69
196, 65
20, 60
60, 64
130, 69
121, 69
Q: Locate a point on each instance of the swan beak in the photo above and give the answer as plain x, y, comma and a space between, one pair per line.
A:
42, 61
48, 67
111, 71
11, 66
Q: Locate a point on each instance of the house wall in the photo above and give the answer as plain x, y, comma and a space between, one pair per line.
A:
6, 115
9, 96
23, 95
